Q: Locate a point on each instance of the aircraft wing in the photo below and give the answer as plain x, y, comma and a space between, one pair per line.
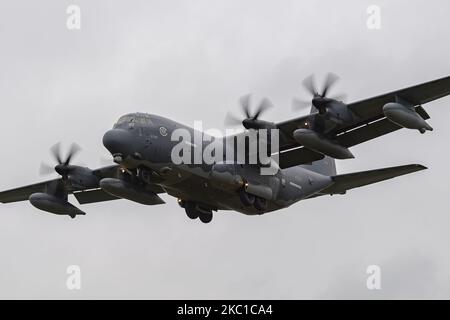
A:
417, 95
55, 186
23, 193
369, 122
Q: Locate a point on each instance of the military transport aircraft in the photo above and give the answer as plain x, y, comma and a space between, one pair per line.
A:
141, 146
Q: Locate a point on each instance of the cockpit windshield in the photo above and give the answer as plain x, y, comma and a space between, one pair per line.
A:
126, 119
140, 119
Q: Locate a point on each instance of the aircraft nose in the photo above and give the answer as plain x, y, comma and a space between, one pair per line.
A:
118, 141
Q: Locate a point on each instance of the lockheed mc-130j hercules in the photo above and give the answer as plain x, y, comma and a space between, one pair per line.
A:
142, 147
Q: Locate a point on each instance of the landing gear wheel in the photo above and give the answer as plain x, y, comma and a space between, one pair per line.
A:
191, 212
247, 199
205, 217
260, 204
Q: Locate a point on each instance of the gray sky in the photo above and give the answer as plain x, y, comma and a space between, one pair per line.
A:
192, 60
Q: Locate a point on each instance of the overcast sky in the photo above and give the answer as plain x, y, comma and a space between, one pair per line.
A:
192, 60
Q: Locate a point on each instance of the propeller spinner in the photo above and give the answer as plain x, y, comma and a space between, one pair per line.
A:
319, 100
251, 121
63, 167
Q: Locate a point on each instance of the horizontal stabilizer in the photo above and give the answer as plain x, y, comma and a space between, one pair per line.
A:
345, 182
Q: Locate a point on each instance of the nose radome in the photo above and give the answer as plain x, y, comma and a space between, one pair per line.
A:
117, 141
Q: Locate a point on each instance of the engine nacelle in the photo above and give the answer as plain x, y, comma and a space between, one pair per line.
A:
259, 190
223, 175
312, 140
122, 189
405, 116
53, 204
338, 113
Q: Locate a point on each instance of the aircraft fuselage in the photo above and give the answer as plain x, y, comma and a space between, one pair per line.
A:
144, 142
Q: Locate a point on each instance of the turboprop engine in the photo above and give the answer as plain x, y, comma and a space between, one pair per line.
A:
223, 175
53, 204
405, 116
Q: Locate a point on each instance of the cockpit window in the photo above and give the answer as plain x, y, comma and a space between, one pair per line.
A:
143, 119
140, 119
126, 119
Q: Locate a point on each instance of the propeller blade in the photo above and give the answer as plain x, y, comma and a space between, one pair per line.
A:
330, 81
62, 167
245, 104
56, 152
74, 149
250, 120
263, 106
298, 104
309, 84
232, 120
46, 169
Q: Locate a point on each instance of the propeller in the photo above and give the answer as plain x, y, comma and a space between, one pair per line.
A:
251, 121
63, 166
319, 100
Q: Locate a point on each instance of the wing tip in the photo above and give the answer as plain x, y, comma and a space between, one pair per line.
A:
419, 166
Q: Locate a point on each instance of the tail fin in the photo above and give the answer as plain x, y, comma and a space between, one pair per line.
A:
345, 182
326, 166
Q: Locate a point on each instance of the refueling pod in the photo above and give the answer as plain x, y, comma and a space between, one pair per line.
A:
405, 116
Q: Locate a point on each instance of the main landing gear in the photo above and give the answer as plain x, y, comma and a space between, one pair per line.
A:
248, 200
194, 211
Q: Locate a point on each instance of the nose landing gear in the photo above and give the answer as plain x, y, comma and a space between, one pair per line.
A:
118, 158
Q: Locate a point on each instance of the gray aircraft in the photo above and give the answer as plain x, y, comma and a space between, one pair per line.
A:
142, 146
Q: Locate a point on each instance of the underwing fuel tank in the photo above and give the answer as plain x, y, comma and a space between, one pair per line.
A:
405, 117
122, 189
312, 140
53, 204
